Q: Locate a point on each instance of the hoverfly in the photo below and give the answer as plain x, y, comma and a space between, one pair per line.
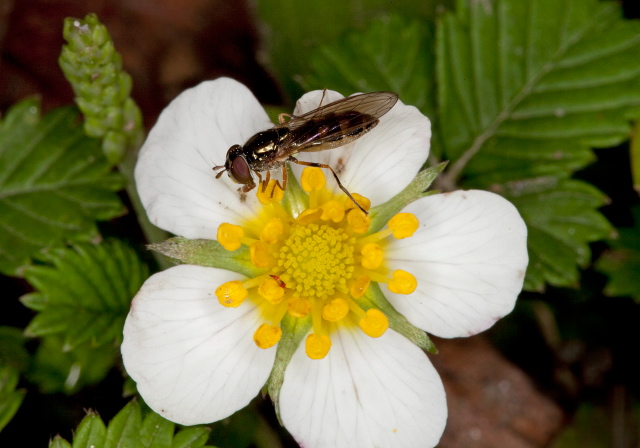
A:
326, 127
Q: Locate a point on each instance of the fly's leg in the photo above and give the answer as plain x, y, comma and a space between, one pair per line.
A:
264, 184
324, 94
281, 117
324, 165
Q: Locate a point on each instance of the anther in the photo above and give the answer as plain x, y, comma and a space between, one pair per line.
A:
374, 323
230, 236
402, 282
403, 225
266, 336
272, 193
231, 294
335, 310
317, 346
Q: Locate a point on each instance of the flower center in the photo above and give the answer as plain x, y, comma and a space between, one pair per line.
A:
317, 260
317, 263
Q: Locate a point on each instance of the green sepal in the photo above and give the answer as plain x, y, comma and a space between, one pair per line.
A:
207, 253
295, 199
90, 432
293, 331
381, 214
374, 298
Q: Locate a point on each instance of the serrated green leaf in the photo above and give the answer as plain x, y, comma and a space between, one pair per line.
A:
91, 432
84, 292
562, 218
10, 398
622, 262
54, 183
294, 28
156, 432
57, 371
195, 437
124, 430
372, 60
524, 88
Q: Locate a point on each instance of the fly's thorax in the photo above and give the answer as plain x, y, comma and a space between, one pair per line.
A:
262, 148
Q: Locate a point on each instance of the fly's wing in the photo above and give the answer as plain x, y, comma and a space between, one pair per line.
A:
337, 123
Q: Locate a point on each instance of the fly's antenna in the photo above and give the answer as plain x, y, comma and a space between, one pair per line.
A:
218, 167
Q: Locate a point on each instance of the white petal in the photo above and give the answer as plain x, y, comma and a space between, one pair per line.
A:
469, 257
194, 361
382, 162
174, 173
367, 392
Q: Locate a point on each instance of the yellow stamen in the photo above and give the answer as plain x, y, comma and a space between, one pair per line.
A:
272, 231
372, 256
402, 282
312, 179
359, 286
309, 216
271, 291
333, 210
365, 203
273, 193
299, 307
317, 346
358, 221
230, 236
374, 323
231, 294
403, 225
260, 254
266, 336
335, 310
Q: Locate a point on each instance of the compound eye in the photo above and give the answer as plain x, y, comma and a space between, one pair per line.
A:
240, 171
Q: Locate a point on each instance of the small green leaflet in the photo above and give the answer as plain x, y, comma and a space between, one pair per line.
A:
54, 183
129, 429
10, 398
373, 60
56, 370
622, 262
561, 219
83, 293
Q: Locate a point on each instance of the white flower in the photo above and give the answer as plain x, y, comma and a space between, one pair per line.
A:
196, 361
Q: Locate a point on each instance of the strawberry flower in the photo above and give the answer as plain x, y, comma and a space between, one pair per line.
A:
300, 290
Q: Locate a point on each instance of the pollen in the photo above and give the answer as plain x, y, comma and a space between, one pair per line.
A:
314, 264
